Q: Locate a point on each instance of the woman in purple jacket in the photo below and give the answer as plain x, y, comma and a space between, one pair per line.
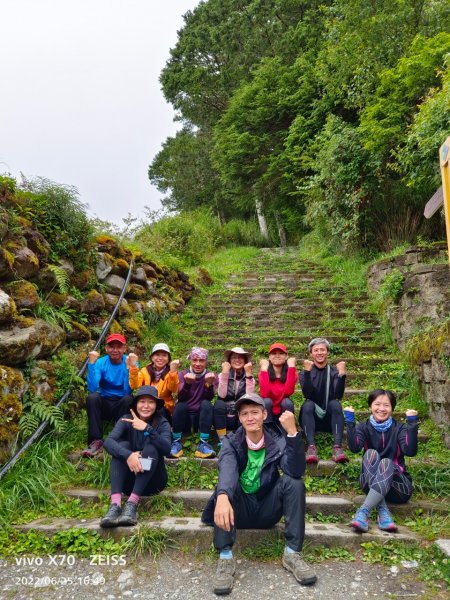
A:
385, 443
194, 410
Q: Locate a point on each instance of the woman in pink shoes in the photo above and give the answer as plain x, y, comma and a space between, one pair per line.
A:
383, 473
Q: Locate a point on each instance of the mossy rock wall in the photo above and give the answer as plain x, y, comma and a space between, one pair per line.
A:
38, 318
420, 321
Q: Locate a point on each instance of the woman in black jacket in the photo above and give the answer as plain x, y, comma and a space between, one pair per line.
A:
137, 444
383, 472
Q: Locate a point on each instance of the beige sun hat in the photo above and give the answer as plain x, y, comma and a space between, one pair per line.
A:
237, 350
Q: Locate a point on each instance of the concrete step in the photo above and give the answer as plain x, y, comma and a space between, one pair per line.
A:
195, 500
199, 536
341, 343
298, 319
283, 275
284, 300
286, 320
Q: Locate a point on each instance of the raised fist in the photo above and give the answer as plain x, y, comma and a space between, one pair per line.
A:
411, 413
209, 378
174, 365
264, 364
93, 356
189, 378
308, 365
226, 367
341, 367
248, 368
287, 421
132, 359
291, 361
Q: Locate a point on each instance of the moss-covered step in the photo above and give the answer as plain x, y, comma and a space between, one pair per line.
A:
199, 536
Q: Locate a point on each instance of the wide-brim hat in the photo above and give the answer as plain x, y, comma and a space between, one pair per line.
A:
249, 398
161, 347
237, 350
148, 391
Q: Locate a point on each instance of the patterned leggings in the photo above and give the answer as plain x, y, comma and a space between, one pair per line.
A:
385, 477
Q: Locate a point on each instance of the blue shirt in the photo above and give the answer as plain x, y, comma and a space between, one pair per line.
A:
107, 378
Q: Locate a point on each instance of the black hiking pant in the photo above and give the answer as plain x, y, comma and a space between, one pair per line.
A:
333, 421
103, 408
124, 481
286, 499
184, 421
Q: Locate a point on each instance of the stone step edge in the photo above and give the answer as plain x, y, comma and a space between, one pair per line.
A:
195, 499
191, 529
322, 468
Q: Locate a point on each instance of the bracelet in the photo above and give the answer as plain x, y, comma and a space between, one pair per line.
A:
249, 377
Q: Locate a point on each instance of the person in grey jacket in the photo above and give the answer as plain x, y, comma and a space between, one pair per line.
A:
137, 444
251, 494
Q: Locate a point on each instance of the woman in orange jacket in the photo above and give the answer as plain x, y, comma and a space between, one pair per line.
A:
161, 372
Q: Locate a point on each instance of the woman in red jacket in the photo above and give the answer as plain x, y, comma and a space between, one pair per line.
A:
277, 380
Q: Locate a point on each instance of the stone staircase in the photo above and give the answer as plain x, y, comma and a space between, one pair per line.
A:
277, 298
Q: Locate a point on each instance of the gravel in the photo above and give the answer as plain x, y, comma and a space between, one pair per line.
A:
176, 576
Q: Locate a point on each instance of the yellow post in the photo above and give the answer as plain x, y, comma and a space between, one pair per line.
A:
444, 156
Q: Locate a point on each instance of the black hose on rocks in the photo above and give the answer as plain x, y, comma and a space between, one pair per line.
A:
34, 436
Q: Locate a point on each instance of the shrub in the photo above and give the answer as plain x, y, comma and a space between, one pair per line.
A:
180, 240
60, 216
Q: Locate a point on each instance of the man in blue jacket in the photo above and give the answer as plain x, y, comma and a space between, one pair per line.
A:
109, 390
250, 493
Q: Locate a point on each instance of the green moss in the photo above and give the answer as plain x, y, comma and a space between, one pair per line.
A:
428, 342
23, 322
132, 327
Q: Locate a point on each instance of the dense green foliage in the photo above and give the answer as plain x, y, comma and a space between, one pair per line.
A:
57, 213
327, 115
185, 239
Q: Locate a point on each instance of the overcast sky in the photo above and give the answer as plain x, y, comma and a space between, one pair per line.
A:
80, 98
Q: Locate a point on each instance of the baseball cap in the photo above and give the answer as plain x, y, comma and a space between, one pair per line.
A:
116, 337
251, 397
163, 347
278, 346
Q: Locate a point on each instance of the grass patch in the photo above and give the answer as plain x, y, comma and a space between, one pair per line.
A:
149, 542
187, 474
432, 564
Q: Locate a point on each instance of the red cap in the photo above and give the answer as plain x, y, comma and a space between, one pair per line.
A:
278, 346
116, 337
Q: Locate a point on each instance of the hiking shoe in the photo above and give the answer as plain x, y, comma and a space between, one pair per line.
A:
224, 577
111, 519
385, 520
177, 449
94, 449
311, 455
204, 450
295, 564
361, 520
129, 515
339, 455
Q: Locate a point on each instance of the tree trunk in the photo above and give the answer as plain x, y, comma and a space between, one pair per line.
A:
281, 230
261, 220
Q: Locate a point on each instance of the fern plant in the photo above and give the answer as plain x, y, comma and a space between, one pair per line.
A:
62, 278
55, 315
37, 410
